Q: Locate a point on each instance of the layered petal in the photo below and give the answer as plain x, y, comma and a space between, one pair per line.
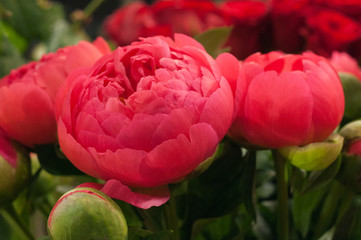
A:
145, 115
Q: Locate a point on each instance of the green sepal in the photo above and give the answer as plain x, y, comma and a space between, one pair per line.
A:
314, 156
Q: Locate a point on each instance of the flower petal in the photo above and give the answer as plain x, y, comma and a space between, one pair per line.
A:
142, 198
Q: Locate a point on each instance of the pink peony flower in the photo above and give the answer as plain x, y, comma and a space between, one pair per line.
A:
187, 16
27, 94
343, 62
144, 116
164, 17
130, 22
285, 100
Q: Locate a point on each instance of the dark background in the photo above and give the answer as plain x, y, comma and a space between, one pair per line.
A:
93, 28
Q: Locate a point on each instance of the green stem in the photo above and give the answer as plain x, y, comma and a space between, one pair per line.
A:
86, 14
172, 218
91, 7
10, 215
282, 197
147, 220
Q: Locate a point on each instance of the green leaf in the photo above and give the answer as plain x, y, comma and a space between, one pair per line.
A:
349, 226
135, 233
304, 205
130, 214
5, 229
214, 39
352, 91
10, 57
32, 20
15, 38
44, 238
320, 178
227, 183
221, 189
225, 227
54, 162
349, 174
336, 201
163, 235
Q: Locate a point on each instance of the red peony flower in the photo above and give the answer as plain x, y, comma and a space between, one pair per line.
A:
164, 17
328, 31
27, 94
288, 20
286, 100
144, 116
187, 16
248, 19
343, 62
132, 21
350, 8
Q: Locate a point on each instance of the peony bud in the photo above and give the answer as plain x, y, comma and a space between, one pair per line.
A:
350, 170
86, 213
286, 100
314, 156
14, 169
351, 131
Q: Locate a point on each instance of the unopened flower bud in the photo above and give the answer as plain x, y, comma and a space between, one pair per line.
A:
350, 170
86, 213
14, 169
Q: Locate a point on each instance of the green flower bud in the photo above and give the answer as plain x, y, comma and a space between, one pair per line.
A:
314, 156
352, 91
14, 170
351, 131
86, 213
350, 170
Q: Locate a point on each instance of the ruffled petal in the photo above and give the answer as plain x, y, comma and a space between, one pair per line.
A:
142, 198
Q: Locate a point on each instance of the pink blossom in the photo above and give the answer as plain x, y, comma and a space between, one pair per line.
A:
145, 115
27, 94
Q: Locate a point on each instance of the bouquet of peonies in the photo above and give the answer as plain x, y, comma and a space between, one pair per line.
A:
186, 120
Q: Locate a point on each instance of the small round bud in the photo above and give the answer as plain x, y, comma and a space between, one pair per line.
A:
86, 213
14, 169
